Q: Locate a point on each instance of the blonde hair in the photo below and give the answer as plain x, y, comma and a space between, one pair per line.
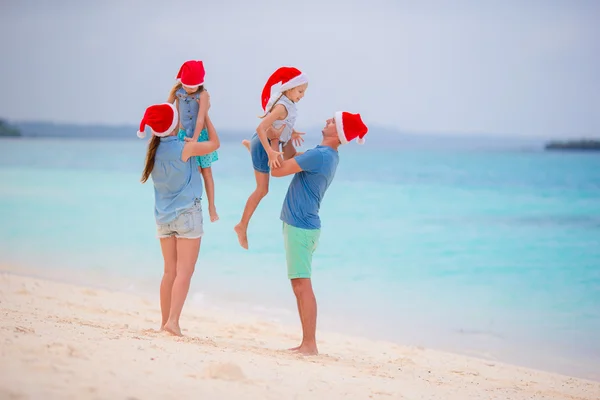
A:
272, 106
178, 85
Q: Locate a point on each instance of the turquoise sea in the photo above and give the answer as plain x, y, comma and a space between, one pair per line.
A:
491, 251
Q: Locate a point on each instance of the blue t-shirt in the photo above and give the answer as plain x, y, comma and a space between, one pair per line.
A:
303, 198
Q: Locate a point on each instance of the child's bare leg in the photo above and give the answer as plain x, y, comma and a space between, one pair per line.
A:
262, 188
209, 185
246, 144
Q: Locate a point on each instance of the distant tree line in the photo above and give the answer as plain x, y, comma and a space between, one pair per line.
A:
581, 144
7, 130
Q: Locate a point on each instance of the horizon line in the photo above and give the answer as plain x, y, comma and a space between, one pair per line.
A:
375, 126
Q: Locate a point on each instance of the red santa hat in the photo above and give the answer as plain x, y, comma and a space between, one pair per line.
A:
289, 77
191, 74
350, 126
161, 118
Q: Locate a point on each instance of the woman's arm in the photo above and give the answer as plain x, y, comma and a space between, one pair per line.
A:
192, 149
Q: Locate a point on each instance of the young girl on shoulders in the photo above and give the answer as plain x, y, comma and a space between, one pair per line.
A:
190, 98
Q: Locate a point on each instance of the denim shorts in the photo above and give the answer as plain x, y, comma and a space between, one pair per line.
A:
260, 159
188, 225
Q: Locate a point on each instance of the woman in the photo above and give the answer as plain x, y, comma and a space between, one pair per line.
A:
177, 191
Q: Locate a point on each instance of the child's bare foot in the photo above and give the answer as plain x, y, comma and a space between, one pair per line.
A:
242, 236
212, 211
246, 144
172, 328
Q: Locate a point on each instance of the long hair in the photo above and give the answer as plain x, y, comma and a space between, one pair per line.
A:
150, 157
179, 85
272, 106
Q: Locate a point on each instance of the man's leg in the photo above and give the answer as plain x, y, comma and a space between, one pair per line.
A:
299, 247
299, 314
307, 305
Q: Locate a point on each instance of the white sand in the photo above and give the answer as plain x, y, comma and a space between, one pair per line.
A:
61, 341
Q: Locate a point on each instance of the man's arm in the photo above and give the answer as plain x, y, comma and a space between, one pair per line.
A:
310, 161
289, 151
288, 167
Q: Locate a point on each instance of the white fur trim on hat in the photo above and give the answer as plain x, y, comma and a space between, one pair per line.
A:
294, 82
193, 86
339, 124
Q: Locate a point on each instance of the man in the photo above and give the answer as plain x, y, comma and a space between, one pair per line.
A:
313, 172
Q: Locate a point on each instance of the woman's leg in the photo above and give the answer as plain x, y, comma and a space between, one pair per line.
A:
209, 185
262, 188
169, 252
187, 255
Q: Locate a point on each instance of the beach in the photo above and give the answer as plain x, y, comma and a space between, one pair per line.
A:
62, 341
457, 256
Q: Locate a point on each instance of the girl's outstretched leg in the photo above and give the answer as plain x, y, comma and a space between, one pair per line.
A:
262, 188
246, 144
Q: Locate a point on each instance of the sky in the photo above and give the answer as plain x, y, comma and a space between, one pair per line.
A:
524, 68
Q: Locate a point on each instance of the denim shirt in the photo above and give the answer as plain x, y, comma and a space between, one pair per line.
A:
188, 110
177, 183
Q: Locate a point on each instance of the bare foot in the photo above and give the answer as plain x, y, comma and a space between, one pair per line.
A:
307, 350
294, 348
242, 236
212, 211
246, 144
173, 329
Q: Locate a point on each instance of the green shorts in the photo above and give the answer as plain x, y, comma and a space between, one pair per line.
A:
300, 244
